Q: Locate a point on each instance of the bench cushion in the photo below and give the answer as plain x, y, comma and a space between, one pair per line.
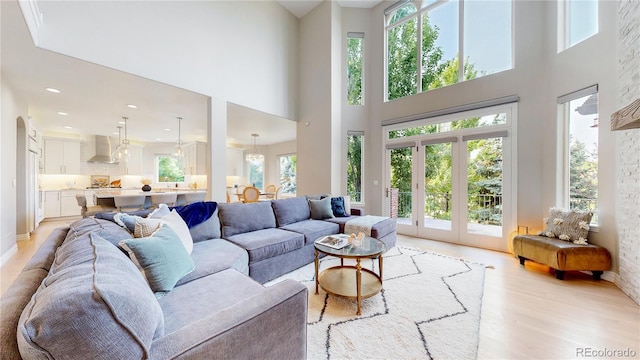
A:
562, 255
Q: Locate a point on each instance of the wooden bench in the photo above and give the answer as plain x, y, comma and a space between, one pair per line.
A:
562, 255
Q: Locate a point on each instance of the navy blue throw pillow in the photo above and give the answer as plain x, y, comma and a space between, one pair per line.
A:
337, 206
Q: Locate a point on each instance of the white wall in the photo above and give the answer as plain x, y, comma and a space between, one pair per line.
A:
314, 133
241, 51
12, 107
628, 151
272, 169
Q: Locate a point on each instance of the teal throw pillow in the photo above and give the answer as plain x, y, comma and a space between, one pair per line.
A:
162, 257
321, 209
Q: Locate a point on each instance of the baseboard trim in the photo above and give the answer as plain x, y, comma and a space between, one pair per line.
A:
8, 255
22, 237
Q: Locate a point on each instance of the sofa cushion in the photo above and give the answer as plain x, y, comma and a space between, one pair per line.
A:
215, 255
206, 230
107, 230
216, 293
267, 243
288, 211
120, 315
238, 218
162, 257
312, 229
320, 209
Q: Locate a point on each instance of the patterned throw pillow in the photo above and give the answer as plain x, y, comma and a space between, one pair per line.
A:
567, 225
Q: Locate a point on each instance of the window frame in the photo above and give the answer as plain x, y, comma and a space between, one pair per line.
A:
361, 37
283, 191
563, 158
157, 169
427, 6
361, 134
564, 24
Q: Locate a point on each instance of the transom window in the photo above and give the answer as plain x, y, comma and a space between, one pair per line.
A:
424, 47
577, 21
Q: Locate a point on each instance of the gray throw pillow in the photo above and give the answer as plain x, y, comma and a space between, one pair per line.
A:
163, 258
321, 209
94, 299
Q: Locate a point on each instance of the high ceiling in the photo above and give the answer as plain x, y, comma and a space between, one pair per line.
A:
95, 98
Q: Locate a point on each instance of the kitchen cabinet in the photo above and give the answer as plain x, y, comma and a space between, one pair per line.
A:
51, 204
194, 161
134, 165
235, 162
61, 156
68, 203
61, 203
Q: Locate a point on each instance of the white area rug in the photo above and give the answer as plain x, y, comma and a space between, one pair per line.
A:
429, 309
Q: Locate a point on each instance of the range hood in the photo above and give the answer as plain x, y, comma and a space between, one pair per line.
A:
103, 151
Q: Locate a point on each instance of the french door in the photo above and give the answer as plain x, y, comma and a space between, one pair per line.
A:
453, 186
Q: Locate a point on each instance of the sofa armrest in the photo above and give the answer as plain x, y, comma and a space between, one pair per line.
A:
357, 211
269, 325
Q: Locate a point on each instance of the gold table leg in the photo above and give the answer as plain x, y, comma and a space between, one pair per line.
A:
380, 266
317, 264
358, 276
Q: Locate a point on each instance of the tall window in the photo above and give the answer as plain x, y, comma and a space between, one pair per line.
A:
169, 169
355, 144
256, 171
578, 20
579, 120
354, 68
288, 173
458, 40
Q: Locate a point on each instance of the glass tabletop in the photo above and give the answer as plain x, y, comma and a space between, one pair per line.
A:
368, 248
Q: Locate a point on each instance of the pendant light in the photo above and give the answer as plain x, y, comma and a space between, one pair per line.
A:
179, 152
124, 150
254, 156
116, 155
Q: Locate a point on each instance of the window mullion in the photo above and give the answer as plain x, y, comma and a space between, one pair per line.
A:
461, 41
419, 48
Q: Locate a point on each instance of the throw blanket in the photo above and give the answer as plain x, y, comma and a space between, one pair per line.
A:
196, 213
362, 223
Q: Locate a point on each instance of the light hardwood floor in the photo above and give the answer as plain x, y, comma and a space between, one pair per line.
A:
526, 312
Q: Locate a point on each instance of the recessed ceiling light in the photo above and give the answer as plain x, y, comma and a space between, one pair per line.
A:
114, 133
167, 129
68, 127
62, 113
121, 122
131, 106
56, 91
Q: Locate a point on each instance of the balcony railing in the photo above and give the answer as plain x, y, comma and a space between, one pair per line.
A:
482, 208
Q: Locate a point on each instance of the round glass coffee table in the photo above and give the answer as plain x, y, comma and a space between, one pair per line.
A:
347, 280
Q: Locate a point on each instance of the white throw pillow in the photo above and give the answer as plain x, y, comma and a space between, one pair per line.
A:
347, 204
177, 224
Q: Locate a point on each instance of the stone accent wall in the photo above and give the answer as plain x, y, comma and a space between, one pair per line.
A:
628, 150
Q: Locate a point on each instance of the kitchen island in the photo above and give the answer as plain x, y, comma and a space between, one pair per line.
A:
106, 196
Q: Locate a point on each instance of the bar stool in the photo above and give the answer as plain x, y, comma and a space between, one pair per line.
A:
168, 198
91, 210
194, 196
129, 202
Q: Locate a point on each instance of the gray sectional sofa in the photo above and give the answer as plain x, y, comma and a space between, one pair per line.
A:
81, 297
